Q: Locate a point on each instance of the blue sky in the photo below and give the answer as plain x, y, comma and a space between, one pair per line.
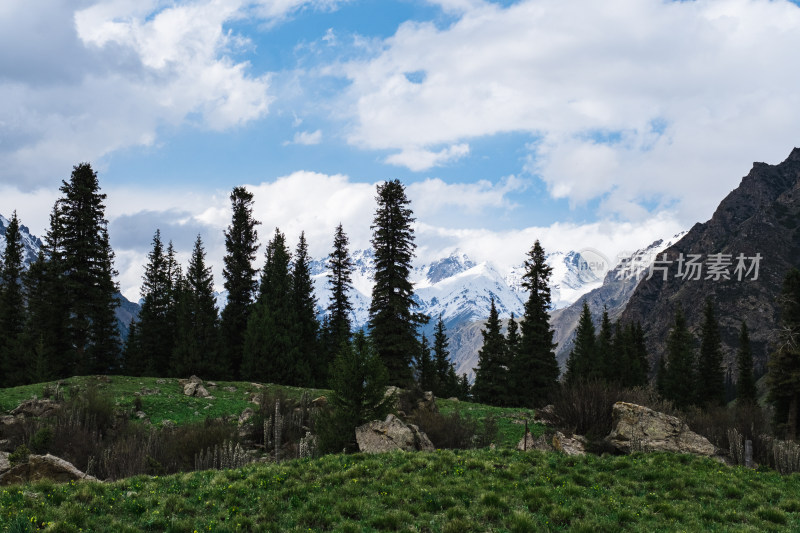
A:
582, 123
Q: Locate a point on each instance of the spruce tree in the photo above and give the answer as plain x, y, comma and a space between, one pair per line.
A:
746, 392
306, 326
241, 244
197, 332
392, 320
513, 340
710, 375
784, 364
446, 382
84, 260
358, 382
426, 367
464, 389
44, 337
535, 369
269, 347
12, 308
582, 361
640, 365
680, 378
340, 282
152, 353
608, 365
491, 376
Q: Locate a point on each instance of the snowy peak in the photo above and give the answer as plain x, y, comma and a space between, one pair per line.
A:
30, 243
441, 269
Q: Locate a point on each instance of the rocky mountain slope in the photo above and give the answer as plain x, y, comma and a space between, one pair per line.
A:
755, 228
613, 295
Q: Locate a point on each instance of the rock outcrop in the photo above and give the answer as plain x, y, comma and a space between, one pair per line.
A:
43, 467
391, 434
639, 428
36, 408
194, 387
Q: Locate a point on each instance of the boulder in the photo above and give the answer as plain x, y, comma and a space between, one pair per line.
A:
195, 389
639, 428
4, 464
574, 445
391, 434
546, 416
427, 403
43, 467
36, 408
320, 402
528, 443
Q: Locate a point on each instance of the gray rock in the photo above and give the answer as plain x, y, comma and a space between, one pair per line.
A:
43, 467
639, 428
528, 443
428, 403
574, 445
36, 408
4, 464
391, 434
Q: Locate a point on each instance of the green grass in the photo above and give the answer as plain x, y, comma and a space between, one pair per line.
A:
168, 403
443, 491
510, 420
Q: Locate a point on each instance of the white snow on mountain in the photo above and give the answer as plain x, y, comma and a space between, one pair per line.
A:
30, 243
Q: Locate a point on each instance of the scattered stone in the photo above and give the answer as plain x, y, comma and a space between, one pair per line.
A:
161, 381
639, 428
9, 420
36, 408
255, 398
148, 392
195, 379
229, 389
257, 385
320, 401
391, 434
453, 399
168, 424
246, 415
41, 467
575, 445
246, 425
546, 415
211, 384
141, 415
195, 389
541, 443
5, 465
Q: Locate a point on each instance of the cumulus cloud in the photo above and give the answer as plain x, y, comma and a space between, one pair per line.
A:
632, 101
307, 138
418, 159
88, 78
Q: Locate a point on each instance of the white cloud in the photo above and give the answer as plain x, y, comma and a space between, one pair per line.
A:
307, 138
91, 77
633, 101
433, 196
418, 159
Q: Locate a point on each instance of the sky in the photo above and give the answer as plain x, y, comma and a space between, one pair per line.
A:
580, 123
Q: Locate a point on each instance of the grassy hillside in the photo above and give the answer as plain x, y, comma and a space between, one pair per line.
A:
443, 491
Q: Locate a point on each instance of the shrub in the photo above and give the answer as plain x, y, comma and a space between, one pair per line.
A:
19, 455
41, 440
448, 432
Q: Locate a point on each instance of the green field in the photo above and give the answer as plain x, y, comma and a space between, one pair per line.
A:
442, 491
447, 491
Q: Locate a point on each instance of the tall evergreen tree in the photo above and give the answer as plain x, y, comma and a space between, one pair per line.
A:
746, 392
640, 365
535, 367
680, 377
426, 367
152, 353
392, 320
268, 346
607, 361
241, 244
358, 383
710, 375
86, 269
491, 376
340, 282
784, 364
12, 308
197, 331
306, 326
513, 340
446, 382
582, 361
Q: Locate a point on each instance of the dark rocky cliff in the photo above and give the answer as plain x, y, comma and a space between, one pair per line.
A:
761, 216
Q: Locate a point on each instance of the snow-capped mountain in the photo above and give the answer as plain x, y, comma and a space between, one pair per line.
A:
30, 243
